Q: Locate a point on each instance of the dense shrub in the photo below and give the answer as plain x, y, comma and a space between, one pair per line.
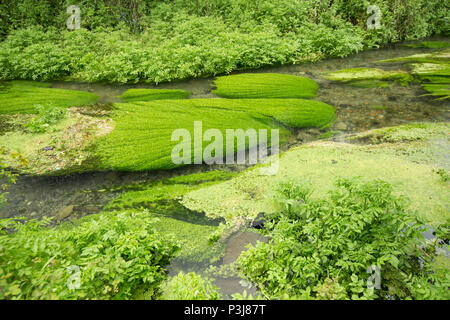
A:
114, 253
155, 41
323, 249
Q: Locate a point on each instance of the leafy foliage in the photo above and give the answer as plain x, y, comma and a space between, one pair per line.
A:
155, 41
115, 253
189, 286
323, 248
47, 115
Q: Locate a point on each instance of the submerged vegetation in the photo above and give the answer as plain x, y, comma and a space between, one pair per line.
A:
104, 257
364, 74
265, 85
23, 96
412, 149
153, 94
142, 137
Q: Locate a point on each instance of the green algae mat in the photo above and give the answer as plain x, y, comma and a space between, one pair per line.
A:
366, 74
265, 85
142, 136
23, 96
432, 70
409, 158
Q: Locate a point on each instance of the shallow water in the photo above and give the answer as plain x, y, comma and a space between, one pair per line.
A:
89, 192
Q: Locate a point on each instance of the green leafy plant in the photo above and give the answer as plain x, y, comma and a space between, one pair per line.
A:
189, 286
323, 249
47, 116
114, 253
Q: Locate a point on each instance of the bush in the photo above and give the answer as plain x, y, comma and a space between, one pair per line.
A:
114, 253
47, 115
189, 286
328, 249
155, 41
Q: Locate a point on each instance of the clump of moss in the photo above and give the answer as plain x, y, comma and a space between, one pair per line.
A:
23, 96
265, 85
153, 94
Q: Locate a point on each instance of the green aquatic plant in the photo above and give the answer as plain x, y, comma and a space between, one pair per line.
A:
105, 256
431, 45
142, 136
369, 84
162, 196
364, 74
432, 57
193, 239
441, 91
23, 96
190, 229
265, 85
328, 135
132, 95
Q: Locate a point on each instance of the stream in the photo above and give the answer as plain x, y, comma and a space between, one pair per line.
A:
88, 193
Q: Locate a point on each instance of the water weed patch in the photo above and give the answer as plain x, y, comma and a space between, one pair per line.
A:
153, 94
142, 139
265, 85
23, 96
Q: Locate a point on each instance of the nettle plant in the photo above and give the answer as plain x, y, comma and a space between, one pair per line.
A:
360, 243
